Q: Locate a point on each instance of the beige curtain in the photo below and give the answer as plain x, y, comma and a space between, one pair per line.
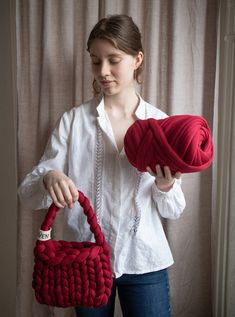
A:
53, 74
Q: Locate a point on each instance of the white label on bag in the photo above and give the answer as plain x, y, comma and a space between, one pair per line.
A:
44, 235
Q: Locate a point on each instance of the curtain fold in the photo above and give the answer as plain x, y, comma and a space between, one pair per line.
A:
54, 74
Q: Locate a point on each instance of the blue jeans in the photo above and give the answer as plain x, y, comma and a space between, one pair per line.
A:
140, 295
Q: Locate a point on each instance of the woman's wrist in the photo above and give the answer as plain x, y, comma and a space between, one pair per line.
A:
164, 188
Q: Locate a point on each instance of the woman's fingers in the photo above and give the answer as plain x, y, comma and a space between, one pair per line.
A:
177, 175
167, 173
148, 169
65, 190
163, 172
73, 191
60, 193
54, 197
61, 188
159, 171
163, 177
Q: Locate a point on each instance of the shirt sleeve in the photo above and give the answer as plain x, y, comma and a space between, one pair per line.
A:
31, 191
170, 204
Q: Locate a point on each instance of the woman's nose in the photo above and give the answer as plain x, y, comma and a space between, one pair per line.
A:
104, 69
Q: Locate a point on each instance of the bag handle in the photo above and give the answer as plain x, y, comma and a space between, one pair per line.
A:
88, 211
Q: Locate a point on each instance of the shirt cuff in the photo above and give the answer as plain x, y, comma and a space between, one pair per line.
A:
157, 193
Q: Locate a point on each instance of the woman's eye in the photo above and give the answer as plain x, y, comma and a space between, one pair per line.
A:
95, 62
115, 60
112, 61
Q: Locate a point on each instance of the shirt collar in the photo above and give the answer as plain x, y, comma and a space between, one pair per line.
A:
100, 107
140, 111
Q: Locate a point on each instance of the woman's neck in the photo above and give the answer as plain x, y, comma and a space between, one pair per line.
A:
124, 103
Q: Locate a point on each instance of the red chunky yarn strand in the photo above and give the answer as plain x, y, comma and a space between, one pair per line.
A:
73, 273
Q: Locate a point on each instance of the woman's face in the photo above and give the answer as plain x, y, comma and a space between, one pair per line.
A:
113, 69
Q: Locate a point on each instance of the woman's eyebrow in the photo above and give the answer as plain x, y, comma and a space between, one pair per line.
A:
110, 55
115, 55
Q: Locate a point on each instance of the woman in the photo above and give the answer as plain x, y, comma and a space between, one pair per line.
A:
86, 151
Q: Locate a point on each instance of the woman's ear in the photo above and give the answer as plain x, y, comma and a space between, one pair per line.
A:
139, 59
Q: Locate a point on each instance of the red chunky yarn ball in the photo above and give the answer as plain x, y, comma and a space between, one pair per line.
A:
182, 142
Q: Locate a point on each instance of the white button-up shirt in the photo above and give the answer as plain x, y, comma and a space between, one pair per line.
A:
127, 202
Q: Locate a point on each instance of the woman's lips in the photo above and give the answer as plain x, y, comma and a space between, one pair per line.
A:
106, 83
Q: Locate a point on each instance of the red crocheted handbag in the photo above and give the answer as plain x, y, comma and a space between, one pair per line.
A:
72, 273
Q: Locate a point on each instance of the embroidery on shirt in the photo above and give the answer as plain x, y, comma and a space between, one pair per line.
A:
98, 170
137, 218
136, 224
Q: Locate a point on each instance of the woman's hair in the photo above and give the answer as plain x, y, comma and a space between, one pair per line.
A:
123, 34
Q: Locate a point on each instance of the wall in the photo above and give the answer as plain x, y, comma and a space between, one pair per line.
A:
8, 212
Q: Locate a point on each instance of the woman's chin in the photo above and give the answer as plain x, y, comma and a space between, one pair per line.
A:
110, 91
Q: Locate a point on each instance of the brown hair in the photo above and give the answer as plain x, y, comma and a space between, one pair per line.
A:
123, 34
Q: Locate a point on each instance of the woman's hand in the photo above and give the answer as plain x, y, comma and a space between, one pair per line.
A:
61, 189
163, 178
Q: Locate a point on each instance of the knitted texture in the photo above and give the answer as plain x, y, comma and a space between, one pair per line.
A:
72, 273
182, 142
